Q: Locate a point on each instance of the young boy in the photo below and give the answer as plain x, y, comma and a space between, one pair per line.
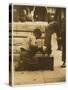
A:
33, 45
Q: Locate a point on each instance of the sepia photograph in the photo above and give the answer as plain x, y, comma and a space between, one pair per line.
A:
37, 44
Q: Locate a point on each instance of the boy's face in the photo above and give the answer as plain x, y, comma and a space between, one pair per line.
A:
36, 35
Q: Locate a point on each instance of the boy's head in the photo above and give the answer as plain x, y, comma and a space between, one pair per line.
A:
37, 33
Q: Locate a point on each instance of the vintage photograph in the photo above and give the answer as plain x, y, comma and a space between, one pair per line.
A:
37, 44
